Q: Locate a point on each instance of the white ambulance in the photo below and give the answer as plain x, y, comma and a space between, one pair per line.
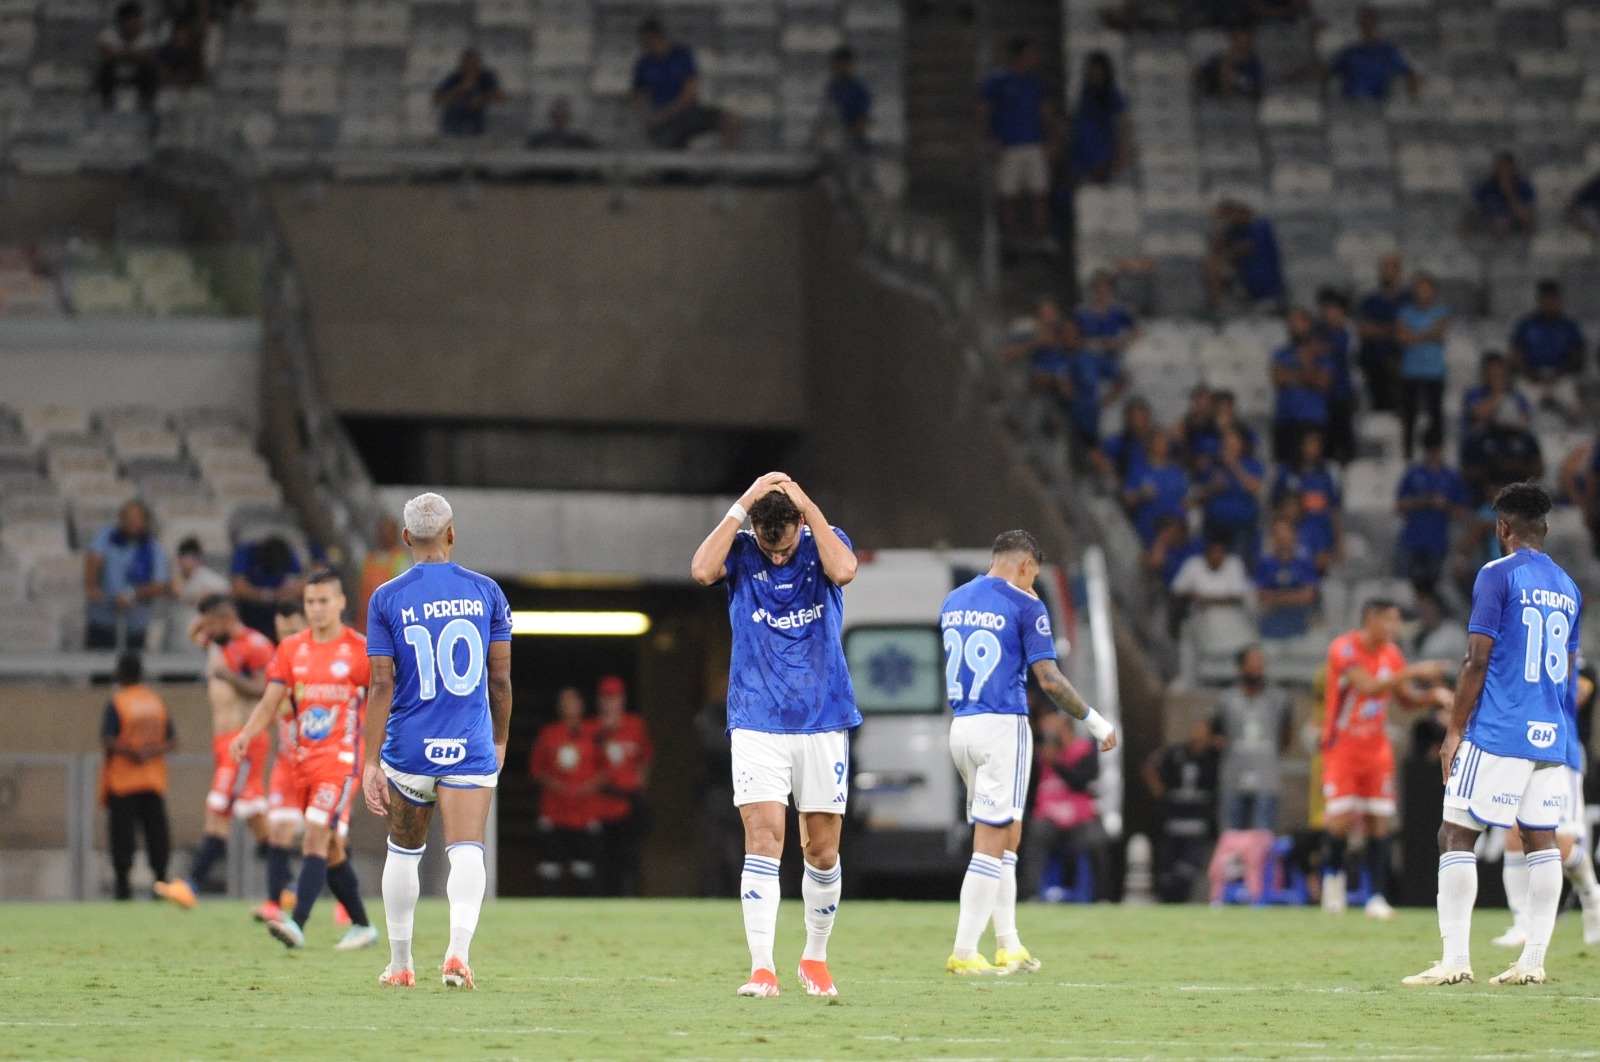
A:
906, 792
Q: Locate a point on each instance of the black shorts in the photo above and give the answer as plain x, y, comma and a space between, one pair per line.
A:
694, 120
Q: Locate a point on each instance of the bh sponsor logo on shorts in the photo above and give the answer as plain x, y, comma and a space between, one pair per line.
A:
444, 751
789, 621
1541, 735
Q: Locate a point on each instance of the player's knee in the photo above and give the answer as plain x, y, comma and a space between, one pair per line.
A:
822, 852
763, 840
1455, 838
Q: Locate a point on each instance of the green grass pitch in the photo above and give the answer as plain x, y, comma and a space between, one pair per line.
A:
655, 979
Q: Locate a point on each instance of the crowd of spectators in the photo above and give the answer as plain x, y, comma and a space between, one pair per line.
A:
139, 55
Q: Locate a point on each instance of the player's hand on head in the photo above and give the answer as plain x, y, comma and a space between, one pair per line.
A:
801, 500
763, 486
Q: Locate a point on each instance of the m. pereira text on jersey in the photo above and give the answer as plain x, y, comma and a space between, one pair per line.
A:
442, 609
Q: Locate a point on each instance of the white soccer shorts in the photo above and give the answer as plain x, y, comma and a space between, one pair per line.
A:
815, 768
1506, 791
993, 754
1574, 822
423, 789
1022, 169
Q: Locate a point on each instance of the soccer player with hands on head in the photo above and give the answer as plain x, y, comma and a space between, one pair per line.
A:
791, 707
1512, 741
996, 632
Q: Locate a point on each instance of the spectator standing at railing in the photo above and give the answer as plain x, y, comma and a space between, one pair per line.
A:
1430, 497
1096, 381
1375, 324
387, 559
136, 733
1547, 351
1101, 130
1214, 578
1244, 257
124, 571
1230, 493
1286, 583
1494, 402
849, 100
1126, 452
263, 574
1302, 373
1254, 726
1421, 328
666, 90
559, 135
464, 96
128, 58
1367, 68
1015, 117
1235, 72
181, 57
1502, 202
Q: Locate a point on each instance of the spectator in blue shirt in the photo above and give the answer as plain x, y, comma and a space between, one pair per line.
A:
1420, 328
1502, 203
1367, 68
123, 571
1014, 114
1172, 545
1583, 209
1547, 352
1229, 493
265, 573
1375, 322
1494, 402
1123, 454
464, 96
1430, 496
1236, 71
1107, 326
1338, 337
1302, 374
1089, 374
1156, 490
1311, 483
1225, 414
1100, 133
1286, 583
849, 99
666, 90
1244, 255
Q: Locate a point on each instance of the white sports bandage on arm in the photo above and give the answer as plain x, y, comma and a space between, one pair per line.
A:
737, 512
1098, 725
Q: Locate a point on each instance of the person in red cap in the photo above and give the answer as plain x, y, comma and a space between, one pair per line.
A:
566, 766
625, 757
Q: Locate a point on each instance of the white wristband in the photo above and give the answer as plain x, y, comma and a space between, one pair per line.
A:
738, 513
1098, 725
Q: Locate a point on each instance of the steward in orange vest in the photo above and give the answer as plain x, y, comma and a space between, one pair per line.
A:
137, 734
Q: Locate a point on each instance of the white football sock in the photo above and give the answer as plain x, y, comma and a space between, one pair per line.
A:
1458, 890
1005, 905
978, 891
1544, 896
820, 891
1514, 873
401, 888
758, 896
464, 888
1580, 871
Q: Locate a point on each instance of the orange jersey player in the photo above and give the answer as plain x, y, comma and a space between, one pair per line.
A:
322, 673
284, 817
236, 667
1366, 671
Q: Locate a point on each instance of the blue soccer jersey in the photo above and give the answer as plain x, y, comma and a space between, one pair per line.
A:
993, 633
436, 621
1528, 710
788, 674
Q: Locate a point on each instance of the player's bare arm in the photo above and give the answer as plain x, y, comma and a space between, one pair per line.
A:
246, 685
708, 566
380, 699
1065, 696
838, 559
499, 697
1469, 687
261, 717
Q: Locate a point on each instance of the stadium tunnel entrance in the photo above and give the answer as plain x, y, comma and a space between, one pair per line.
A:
671, 669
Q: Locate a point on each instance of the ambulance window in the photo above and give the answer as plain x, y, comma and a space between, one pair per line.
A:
896, 670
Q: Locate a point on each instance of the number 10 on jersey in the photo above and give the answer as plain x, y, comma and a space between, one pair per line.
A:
437, 663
